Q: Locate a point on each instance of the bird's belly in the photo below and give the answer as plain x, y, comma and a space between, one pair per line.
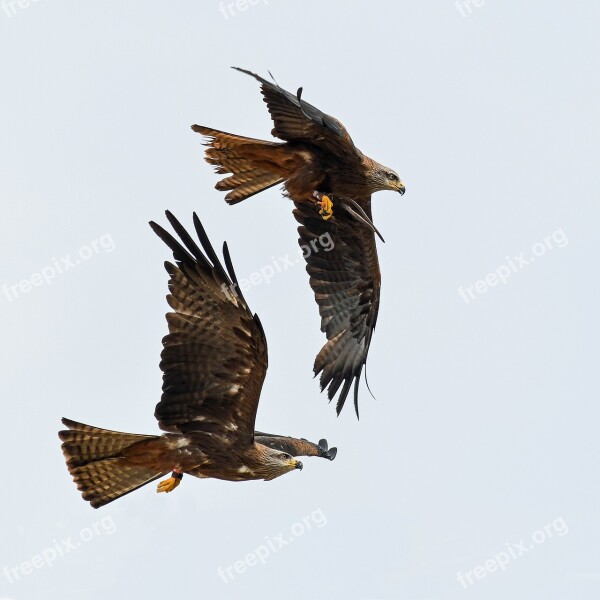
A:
227, 472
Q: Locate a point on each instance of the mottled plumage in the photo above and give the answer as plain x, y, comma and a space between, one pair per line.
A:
214, 362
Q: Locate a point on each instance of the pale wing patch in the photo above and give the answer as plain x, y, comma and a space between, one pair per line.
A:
229, 294
177, 443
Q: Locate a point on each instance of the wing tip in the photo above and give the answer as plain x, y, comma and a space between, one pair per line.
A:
332, 453
325, 451
248, 72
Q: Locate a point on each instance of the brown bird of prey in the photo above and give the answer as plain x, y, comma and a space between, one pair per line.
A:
319, 165
214, 363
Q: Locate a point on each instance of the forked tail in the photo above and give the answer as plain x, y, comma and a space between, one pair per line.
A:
255, 165
95, 459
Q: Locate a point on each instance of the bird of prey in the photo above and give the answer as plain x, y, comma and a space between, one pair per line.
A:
214, 363
319, 166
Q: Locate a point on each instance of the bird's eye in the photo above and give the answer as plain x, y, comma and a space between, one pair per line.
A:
286, 456
392, 176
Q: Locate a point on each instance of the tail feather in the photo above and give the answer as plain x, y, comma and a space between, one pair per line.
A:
222, 139
95, 460
103, 481
84, 443
258, 184
256, 165
230, 183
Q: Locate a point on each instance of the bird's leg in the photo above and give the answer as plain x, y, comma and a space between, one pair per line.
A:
325, 203
168, 485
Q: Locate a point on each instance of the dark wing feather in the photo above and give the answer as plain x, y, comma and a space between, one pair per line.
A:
295, 446
214, 358
296, 120
346, 281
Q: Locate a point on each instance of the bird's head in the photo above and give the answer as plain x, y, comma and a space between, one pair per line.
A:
277, 463
384, 178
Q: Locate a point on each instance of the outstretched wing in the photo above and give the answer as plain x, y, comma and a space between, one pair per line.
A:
345, 277
214, 358
298, 121
294, 446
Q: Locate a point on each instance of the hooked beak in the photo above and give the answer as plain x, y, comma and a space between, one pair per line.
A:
401, 188
298, 465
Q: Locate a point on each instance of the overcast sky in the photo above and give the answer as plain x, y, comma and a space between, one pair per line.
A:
474, 473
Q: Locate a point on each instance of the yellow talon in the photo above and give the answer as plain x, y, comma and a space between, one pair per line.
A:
168, 485
326, 207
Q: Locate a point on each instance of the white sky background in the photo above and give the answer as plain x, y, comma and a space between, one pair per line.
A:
485, 426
